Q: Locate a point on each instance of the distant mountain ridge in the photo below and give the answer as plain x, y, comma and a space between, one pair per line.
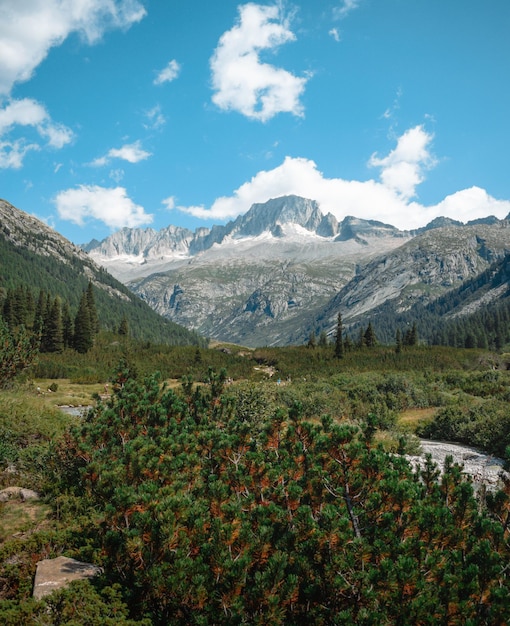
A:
284, 269
270, 218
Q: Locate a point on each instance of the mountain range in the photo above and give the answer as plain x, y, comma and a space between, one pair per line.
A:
284, 269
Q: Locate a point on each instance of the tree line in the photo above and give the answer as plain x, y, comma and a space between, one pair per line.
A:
50, 318
366, 338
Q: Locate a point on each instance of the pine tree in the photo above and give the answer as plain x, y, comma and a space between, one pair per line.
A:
40, 311
348, 343
123, 327
67, 325
20, 307
8, 309
45, 323
312, 340
339, 341
54, 331
83, 334
323, 339
91, 304
411, 336
370, 340
398, 341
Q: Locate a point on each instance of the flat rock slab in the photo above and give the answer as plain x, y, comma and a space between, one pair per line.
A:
53, 574
18, 493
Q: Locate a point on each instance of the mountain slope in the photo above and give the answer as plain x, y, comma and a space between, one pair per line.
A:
34, 255
420, 271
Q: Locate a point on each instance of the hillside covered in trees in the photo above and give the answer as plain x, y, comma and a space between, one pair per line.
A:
475, 314
67, 277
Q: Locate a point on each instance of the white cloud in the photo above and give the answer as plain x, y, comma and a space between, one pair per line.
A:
12, 153
155, 118
470, 204
57, 134
335, 34
113, 207
169, 203
132, 153
28, 113
346, 7
241, 81
24, 112
29, 29
404, 167
387, 200
169, 73
116, 175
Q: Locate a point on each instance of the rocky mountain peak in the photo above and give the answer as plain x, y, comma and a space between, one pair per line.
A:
268, 216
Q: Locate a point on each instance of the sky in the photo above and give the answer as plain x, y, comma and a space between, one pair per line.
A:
146, 113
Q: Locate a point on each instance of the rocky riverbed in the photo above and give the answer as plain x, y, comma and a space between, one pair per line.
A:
484, 469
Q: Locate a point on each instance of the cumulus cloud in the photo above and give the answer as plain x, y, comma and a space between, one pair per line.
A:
470, 204
404, 167
29, 29
241, 81
132, 153
112, 206
387, 200
28, 113
169, 73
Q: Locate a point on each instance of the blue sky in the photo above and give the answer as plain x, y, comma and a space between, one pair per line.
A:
145, 113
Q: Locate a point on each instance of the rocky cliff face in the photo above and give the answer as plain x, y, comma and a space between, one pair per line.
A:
420, 270
26, 231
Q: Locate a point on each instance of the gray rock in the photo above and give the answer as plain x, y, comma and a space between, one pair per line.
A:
53, 574
18, 493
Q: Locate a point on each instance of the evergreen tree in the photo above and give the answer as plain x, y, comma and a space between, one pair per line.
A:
312, 340
40, 311
54, 331
83, 334
398, 341
339, 341
361, 338
67, 325
8, 309
45, 324
19, 306
91, 304
348, 343
123, 327
370, 340
411, 336
323, 339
